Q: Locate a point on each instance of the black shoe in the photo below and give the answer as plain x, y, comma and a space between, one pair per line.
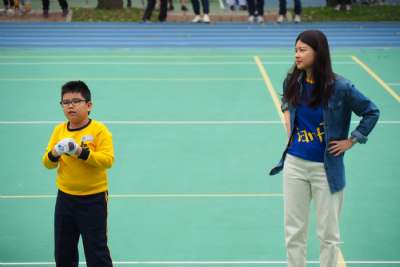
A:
171, 7
184, 8
244, 8
232, 8
65, 12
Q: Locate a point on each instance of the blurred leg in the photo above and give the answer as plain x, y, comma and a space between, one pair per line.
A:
196, 7
206, 6
163, 10
149, 9
45, 5
282, 7
252, 7
63, 4
260, 7
297, 7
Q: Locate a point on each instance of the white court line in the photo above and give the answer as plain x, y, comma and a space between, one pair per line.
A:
130, 56
173, 122
149, 56
131, 63
162, 63
214, 262
199, 79
393, 84
162, 195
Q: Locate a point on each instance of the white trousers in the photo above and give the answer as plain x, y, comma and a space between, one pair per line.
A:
304, 180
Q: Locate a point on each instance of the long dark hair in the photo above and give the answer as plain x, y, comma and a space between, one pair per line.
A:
321, 71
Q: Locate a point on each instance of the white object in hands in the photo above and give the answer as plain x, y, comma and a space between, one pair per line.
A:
66, 145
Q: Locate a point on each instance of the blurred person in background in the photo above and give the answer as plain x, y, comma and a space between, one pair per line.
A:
283, 11
196, 9
242, 5
183, 5
256, 11
63, 4
343, 3
151, 4
9, 7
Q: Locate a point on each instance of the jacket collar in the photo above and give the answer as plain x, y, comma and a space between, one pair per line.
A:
301, 77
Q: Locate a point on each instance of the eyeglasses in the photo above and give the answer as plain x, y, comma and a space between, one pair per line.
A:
74, 102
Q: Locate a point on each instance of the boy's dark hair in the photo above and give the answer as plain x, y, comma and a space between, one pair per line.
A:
321, 70
76, 87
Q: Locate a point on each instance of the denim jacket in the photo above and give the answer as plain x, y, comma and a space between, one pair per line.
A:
337, 117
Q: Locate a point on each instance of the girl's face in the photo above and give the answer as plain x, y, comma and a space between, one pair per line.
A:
305, 56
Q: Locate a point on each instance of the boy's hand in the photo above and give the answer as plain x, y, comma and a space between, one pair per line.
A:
59, 148
67, 145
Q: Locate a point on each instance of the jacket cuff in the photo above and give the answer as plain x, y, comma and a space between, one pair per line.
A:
284, 106
84, 154
362, 139
52, 158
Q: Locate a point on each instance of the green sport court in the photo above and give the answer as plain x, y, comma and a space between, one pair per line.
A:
196, 127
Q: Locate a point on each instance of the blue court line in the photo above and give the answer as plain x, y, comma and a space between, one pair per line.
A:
128, 35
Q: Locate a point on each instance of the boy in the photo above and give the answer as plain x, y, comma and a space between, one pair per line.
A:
81, 150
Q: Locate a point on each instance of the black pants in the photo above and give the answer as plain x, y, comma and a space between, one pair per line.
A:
63, 4
8, 3
344, 2
151, 4
84, 216
256, 5
196, 6
283, 4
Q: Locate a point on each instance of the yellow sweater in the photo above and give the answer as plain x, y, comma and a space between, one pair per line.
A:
77, 176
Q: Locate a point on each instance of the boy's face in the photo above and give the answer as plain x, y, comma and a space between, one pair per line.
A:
75, 107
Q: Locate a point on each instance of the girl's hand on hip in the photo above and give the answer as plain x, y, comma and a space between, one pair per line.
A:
339, 146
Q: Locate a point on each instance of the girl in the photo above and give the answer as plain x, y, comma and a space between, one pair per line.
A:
317, 106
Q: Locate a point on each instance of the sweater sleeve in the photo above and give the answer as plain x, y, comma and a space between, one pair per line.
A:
103, 156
